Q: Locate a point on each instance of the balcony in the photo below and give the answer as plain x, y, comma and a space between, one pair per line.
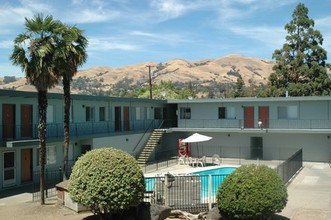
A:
239, 123
55, 130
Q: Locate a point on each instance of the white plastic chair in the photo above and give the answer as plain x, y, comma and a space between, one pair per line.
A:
216, 158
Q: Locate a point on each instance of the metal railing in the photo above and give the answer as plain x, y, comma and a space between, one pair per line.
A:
55, 130
52, 177
189, 192
272, 123
290, 167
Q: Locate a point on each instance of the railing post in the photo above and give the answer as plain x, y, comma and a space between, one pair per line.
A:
210, 187
166, 191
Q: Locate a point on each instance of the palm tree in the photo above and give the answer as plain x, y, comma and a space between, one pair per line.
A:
34, 53
71, 54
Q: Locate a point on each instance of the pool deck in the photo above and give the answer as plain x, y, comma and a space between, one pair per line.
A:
309, 192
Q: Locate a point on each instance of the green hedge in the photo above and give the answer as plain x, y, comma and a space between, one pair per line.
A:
107, 180
252, 192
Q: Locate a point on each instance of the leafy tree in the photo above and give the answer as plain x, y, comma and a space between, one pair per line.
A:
108, 181
251, 192
9, 79
71, 53
300, 64
34, 52
240, 86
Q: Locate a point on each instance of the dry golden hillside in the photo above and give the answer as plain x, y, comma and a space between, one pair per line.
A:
224, 69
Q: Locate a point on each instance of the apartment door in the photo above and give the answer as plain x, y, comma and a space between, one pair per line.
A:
26, 121
9, 170
249, 117
118, 117
26, 165
8, 121
264, 116
126, 118
256, 148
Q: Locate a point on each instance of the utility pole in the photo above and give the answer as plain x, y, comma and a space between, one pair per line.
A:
150, 81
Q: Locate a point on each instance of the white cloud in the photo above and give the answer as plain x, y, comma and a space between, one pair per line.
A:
92, 16
7, 44
104, 44
162, 38
272, 37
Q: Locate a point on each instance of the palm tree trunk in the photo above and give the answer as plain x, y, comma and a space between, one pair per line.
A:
42, 102
66, 94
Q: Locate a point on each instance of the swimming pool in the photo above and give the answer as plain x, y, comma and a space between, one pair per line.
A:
217, 176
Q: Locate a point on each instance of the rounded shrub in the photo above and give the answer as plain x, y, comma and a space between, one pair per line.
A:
107, 181
251, 192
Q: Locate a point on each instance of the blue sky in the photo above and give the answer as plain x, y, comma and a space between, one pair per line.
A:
124, 32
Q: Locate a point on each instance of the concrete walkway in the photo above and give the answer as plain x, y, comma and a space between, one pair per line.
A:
310, 194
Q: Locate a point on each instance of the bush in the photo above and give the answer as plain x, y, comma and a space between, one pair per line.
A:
108, 181
251, 192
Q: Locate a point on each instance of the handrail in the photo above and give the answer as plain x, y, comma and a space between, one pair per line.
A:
141, 138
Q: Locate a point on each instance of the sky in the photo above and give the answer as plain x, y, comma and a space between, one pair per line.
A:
126, 32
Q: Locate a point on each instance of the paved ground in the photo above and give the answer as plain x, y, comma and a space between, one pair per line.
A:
309, 198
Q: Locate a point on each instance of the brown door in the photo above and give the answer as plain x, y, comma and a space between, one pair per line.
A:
117, 118
26, 121
249, 117
8, 121
26, 165
126, 120
264, 116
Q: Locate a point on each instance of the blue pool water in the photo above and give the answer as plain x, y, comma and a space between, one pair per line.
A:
217, 177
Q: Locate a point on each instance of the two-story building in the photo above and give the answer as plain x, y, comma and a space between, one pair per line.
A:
248, 128
256, 128
95, 122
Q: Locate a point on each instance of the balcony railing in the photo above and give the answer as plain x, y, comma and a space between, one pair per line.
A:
55, 130
239, 123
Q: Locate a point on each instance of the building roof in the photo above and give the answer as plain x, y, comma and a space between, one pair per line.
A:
251, 99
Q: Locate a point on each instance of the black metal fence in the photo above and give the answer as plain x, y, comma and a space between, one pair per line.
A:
190, 192
290, 167
52, 177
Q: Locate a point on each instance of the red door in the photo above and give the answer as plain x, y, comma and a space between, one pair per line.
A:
249, 117
26, 121
264, 116
26, 165
8, 121
126, 116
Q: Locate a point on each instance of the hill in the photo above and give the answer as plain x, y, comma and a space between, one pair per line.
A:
254, 71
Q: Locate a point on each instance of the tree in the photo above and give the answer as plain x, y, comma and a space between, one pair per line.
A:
108, 181
251, 192
71, 53
300, 64
34, 53
240, 85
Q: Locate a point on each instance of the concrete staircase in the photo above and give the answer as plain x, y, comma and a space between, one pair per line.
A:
150, 146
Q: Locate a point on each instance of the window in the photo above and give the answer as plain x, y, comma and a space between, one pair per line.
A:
50, 155
157, 113
221, 112
50, 114
138, 117
185, 113
288, 112
226, 112
102, 113
89, 113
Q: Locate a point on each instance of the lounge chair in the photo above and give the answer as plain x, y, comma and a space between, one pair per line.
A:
182, 160
216, 158
202, 161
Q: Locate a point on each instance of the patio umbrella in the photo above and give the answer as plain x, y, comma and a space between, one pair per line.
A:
196, 138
